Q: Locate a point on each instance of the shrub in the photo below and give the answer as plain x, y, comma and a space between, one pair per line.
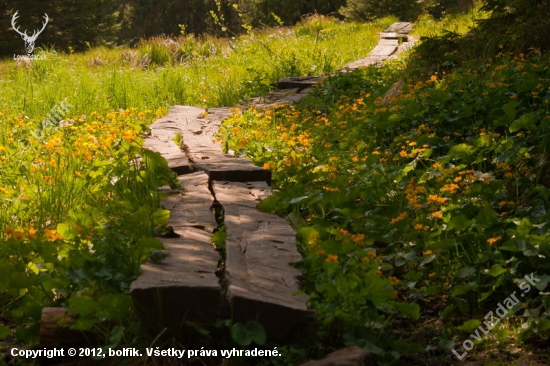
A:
370, 9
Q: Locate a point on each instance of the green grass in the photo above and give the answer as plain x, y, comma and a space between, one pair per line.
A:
202, 71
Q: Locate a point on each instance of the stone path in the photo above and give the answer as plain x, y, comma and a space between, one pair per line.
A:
257, 280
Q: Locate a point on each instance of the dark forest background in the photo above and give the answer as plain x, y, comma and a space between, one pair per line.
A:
77, 25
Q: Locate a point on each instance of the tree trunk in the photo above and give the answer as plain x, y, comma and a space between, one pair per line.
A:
465, 5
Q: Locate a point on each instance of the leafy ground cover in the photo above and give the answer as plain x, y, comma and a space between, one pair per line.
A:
79, 206
78, 212
419, 197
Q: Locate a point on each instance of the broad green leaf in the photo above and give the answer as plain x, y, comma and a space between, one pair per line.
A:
411, 311
4, 331
161, 217
543, 325
485, 295
82, 305
67, 231
445, 244
378, 290
461, 290
449, 309
149, 244
469, 325
268, 204
525, 122
256, 332
465, 271
460, 151
460, 222
240, 334
306, 233
496, 270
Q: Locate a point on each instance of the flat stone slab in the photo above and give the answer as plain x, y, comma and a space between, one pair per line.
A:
259, 249
184, 286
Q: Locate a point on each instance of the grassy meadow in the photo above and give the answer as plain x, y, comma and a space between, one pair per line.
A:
79, 206
418, 190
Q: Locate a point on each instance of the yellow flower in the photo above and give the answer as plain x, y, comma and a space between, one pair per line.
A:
331, 258
436, 198
401, 216
437, 215
418, 227
18, 234
451, 188
9, 232
355, 159
266, 166
393, 280
427, 252
32, 233
491, 241
52, 235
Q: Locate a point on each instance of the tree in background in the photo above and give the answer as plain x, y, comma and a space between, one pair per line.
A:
465, 5
521, 25
260, 13
368, 10
72, 24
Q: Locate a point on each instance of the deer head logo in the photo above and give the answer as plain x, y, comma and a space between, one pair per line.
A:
29, 40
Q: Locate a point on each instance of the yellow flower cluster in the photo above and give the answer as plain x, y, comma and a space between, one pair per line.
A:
356, 238
400, 217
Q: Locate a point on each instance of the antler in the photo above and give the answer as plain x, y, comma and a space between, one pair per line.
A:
15, 16
35, 35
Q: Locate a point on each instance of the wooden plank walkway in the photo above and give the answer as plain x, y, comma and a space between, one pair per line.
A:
261, 285
184, 285
259, 281
393, 40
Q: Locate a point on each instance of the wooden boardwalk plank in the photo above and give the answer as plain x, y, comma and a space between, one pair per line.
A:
176, 158
300, 82
197, 127
259, 249
184, 285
